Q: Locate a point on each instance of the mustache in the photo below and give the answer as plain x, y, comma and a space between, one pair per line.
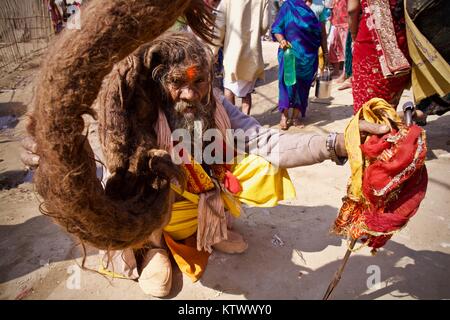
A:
181, 106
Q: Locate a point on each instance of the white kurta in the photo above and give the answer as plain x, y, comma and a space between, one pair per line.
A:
240, 26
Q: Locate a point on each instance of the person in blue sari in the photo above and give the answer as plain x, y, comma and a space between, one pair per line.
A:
297, 26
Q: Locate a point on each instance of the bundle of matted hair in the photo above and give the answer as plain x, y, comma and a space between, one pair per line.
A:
136, 199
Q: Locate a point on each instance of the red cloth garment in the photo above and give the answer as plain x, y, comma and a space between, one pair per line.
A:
231, 183
369, 76
391, 162
394, 182
339, 20
337, 44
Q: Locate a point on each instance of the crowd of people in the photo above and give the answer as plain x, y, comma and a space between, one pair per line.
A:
368, 51
364, 40
345, 38
60, 11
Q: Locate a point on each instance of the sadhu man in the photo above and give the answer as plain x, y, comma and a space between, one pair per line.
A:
179, 67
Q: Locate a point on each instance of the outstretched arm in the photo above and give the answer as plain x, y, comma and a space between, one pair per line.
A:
288, 150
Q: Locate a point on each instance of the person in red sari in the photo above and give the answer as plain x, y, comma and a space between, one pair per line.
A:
339, 19
381, 66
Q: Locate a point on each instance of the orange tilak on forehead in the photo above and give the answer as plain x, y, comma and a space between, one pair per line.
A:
191, 73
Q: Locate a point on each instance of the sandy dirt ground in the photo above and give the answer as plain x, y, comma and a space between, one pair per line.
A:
291, 254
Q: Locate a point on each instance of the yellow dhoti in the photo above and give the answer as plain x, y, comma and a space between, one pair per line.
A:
263, 185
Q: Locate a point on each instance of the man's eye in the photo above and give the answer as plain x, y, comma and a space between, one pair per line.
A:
200, 80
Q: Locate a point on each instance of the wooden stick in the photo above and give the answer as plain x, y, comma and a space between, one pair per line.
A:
337, 276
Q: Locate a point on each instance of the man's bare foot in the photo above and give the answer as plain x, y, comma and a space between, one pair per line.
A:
284, 123
297, 123
156, 275
346, 85
234, 244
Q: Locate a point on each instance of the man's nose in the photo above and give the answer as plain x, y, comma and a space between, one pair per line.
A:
188, 93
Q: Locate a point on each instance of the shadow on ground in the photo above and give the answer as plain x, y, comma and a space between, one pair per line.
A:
438, 135
15, 109
11, 179
318, 114
28, 246
10, 113
266, 271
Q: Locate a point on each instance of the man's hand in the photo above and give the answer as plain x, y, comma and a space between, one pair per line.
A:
29, 156
365, 128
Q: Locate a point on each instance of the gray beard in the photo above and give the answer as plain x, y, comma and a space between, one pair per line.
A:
187, 122
195, 123
179, 119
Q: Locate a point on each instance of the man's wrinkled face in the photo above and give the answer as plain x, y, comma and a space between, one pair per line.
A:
188, 84
188, 89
